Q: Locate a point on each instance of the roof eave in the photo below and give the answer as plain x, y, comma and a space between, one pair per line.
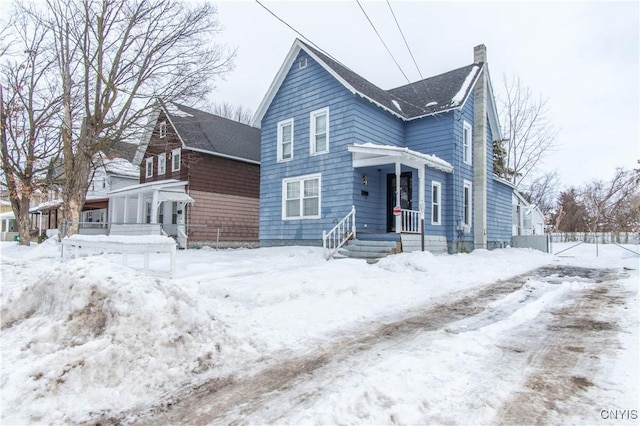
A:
276, 83
218, 154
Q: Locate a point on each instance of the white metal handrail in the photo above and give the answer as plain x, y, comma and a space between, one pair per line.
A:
340, 234
410, 221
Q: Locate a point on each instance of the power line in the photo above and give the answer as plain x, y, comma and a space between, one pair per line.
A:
293, 29
405, 41
334, 59
383, 43
424, 84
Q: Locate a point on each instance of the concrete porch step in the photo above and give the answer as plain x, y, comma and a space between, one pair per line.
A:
370, 250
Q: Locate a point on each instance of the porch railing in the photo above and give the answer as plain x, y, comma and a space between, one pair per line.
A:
340, 234
410, 221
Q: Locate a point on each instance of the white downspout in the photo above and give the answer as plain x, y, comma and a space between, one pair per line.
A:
398, 218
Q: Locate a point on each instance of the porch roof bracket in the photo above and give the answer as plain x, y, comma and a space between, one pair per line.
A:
369, 154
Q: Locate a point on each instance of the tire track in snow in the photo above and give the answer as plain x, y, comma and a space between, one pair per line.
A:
241, 394
554, 381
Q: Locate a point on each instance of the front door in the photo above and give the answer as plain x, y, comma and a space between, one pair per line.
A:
405, 196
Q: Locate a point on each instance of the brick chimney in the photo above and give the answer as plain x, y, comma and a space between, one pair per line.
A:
480, 151
480, 53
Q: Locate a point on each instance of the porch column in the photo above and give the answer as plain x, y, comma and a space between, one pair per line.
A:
421, 204
140, 212
399, 217
112, 209
154, 207
125, 210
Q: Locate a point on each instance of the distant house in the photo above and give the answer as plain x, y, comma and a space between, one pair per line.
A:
199, 179
415, 160
110, 172
527, 219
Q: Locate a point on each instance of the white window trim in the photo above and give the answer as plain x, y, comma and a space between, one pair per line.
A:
281, 124
162, 164
467, 147
149, 168
301, 179
312, 130
438, 206
162, 131
177, 151
468, 219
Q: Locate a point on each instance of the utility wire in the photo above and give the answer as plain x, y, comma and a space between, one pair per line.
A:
405, 41
428, 92
330, 56
383, 43
293, 29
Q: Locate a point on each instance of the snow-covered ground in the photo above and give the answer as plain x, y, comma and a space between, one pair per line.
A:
87, 337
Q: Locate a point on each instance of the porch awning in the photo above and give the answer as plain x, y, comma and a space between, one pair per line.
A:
168, 185
370, 154
172, 196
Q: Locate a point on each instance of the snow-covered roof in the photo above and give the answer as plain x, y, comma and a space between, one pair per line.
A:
430, 96
384, 152
121, 167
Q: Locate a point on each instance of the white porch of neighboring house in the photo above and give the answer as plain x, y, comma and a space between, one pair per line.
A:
160, 202
8, 226
368, 155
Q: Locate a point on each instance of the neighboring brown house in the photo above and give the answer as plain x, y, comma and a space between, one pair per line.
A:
199, 179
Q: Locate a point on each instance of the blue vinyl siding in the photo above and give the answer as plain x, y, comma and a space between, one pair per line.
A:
302, 91
373, 124
498, 211
462, 171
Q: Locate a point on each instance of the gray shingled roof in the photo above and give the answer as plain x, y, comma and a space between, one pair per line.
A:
428, 96
124, 150
208, 132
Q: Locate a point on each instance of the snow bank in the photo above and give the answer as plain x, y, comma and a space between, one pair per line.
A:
89, 336
92, 331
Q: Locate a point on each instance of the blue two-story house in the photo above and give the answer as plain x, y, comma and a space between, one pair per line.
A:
414, 163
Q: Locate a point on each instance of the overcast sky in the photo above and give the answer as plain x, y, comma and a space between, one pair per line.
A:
582, 56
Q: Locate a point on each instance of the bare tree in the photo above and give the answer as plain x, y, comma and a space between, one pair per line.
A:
529, 134
608, 202
113, 57
236, 113
29, 108
542, 192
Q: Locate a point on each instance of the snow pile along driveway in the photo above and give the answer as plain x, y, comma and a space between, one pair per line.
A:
88, 338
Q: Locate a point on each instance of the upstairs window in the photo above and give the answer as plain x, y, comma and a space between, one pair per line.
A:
163, 129
301, 197
466, 143
162, 163
319, 131
436, 203
149, 167
175, 160
285, 140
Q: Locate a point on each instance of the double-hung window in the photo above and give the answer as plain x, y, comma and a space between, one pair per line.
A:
466, 143
149, 167
285, 140
319, 131
162, 163
467, 203
175, 159
436, 203
301, 197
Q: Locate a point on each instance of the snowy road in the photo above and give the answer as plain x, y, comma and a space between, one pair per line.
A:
523, 363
